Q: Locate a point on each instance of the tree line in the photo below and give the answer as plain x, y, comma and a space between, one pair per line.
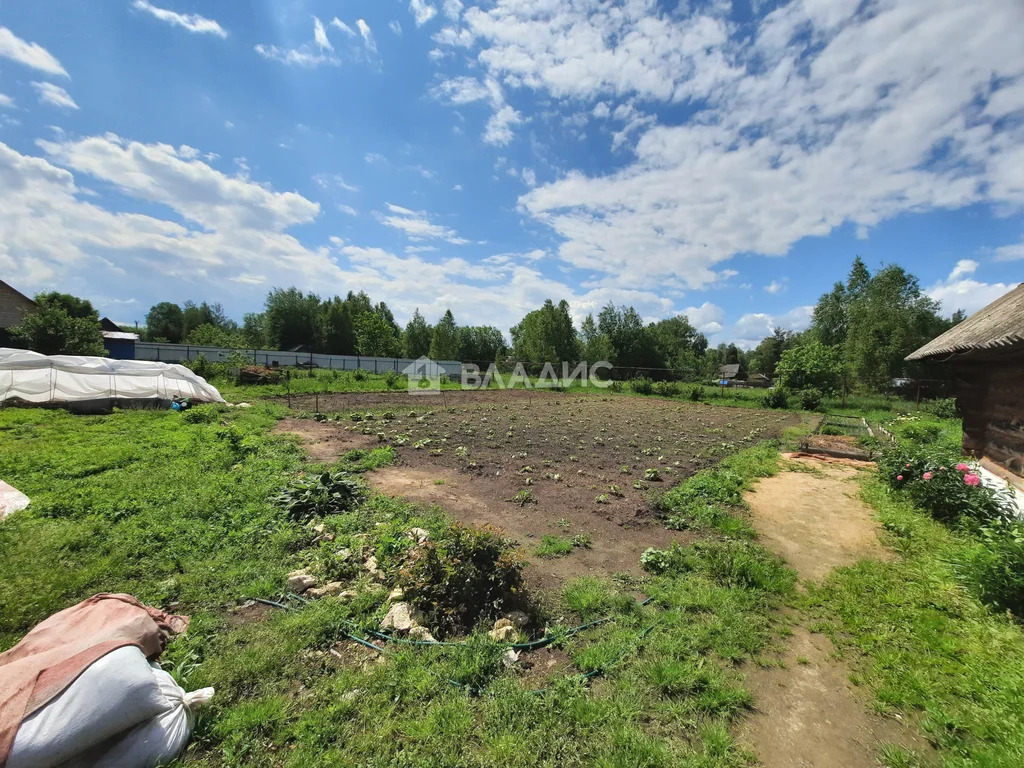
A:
859, 334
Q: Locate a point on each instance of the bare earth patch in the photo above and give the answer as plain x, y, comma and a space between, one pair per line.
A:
807, 713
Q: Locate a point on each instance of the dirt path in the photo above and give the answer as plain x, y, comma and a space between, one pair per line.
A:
807, 713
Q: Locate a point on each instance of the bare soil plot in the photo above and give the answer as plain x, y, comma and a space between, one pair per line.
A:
539, 463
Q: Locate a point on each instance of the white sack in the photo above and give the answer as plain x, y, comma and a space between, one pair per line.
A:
115, 693
37, 378
11, 500
154, 742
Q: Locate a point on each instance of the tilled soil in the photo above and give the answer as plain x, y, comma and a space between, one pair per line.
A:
579, 462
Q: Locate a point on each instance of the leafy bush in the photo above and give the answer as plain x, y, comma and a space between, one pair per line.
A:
319, 496
775, 398
994, 568
666, 388
392, 378
359, 374
810, 399
463, 577
696, 393
943, 407
615, 386
810, 366
919, 431
642, 386
939, 482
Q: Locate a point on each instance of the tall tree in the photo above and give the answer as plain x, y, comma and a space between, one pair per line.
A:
165, 322
339, 328
444, 343
546, 335
376, 337
480, 343
765, 357
631, 340
417, 336
676, 344
254, 330
194, 315
61, 325
292, 319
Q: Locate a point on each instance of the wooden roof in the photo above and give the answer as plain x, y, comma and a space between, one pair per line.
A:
728, 370
998, 327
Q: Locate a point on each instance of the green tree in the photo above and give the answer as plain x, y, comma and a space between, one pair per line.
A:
292, 319
194, 315
811, 365
765, 358
339, 335
675, 343
165, 321
61, 325
254, 330
376, 337
480, 343
417, 336
210, 335
546, 335
444, 342
632, 341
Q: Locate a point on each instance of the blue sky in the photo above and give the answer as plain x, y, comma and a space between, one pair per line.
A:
722, 159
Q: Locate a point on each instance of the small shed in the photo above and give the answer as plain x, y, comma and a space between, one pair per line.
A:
120, 345
986, 356
14, 306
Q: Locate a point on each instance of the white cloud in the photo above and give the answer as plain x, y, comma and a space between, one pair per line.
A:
417, 225
464, 90
328, 181
1011, 252
303, 56
421, 11
348, 210
30, 54
6, 102
193, 22
54, 95
775, 287
228, 124
752, 327
452, 9
529, 177
395, 27
367, 35
899, 101
320, 35
961, 291
707, 318
336, 22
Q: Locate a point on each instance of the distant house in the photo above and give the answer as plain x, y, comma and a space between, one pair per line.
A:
119, 344
14, 306
727, 372
986, 355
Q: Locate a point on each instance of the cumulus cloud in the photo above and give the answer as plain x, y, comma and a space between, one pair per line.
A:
817, 116
421, 11
417, 225
775, 287
751, 328
192, 22
30, 54
961, 291
465, 90
1011, 252
6, 102
707, 318
54, 95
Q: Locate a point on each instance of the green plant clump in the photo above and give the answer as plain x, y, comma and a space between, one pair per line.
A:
329, 493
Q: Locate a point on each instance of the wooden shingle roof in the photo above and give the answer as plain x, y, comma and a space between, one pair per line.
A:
998, 326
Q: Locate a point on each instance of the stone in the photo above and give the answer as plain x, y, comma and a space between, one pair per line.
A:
348, 594
396, 595
503, 634
330, 588
319, 528
519, 619
398, 618
422, 634
502, 623
301, 580
343, 554
419, 534
371, 565
510, 658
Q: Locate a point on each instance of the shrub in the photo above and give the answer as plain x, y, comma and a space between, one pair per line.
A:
391, 378
775, 398
642, 386
994, 567
359, 374
919, 431
463, 577
326, 494
810, 366
943, 407
696, 393
940, 483
615, 386
666, 388
810, 399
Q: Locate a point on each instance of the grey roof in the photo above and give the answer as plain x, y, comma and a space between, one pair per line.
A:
729, 370
998, 326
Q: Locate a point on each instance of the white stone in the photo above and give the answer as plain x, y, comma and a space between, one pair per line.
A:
504, 633
398, 618
422, 634
396, 595
510, 658
300, 580
330, 588
419, 534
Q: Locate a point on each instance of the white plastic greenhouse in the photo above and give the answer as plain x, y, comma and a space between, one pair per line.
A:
95, 382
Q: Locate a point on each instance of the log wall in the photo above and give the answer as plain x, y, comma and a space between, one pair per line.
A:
990, 395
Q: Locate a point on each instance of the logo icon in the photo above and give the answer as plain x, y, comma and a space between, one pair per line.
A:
424, 376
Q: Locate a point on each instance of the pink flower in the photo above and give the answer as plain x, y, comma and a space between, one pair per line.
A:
972, 479
907, 466
961, 467
928, 475
899, 477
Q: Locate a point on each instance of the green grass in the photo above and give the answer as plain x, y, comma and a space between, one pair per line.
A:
176, 510
553, 546
925, 645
